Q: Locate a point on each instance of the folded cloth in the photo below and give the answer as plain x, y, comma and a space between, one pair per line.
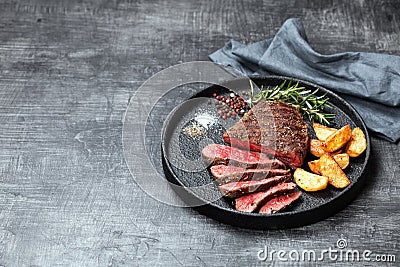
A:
368, 81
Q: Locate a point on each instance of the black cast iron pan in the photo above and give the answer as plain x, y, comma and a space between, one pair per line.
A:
183, 166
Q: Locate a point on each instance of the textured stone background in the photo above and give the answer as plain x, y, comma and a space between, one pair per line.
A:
67, 71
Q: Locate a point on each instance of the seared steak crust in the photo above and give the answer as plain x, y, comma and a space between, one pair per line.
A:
251, 202
237, 189
275, 128
227, 174
220, 154
279, 203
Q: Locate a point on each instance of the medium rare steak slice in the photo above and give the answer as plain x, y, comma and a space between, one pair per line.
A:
274, 128
250, 203
220, 154
226, 174
237, 189
279, 203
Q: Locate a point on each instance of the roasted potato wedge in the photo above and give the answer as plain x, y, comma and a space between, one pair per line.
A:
322, 132
342, 160
329, 168
308, 181
357, 143
337, 140
314, 166
340, 151
316, 148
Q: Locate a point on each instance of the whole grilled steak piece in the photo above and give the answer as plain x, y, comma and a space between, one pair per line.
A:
227, 174
274, 128
250, 203
220, 154
237, 189
279, 203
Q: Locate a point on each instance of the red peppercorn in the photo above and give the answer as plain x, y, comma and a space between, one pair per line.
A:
223, 99
215, 94
224, 117
218, 97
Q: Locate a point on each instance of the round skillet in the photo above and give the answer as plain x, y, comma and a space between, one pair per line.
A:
197, 181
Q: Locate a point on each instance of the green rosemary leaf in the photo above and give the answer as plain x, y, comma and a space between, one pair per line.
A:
310, 105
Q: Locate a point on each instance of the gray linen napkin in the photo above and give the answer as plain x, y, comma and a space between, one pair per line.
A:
368, 81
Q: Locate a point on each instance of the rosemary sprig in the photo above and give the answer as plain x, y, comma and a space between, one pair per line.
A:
306, 101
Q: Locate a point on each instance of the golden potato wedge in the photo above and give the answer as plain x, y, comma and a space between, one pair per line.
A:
329, 168
316, 148
314, 166
322, 131
308, 181
340, 151
357, 143
342, 160
337, 140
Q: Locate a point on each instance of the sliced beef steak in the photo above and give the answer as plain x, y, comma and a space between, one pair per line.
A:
252, 202
279, 203
220, 154
275, 128
237, 189
227, 174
